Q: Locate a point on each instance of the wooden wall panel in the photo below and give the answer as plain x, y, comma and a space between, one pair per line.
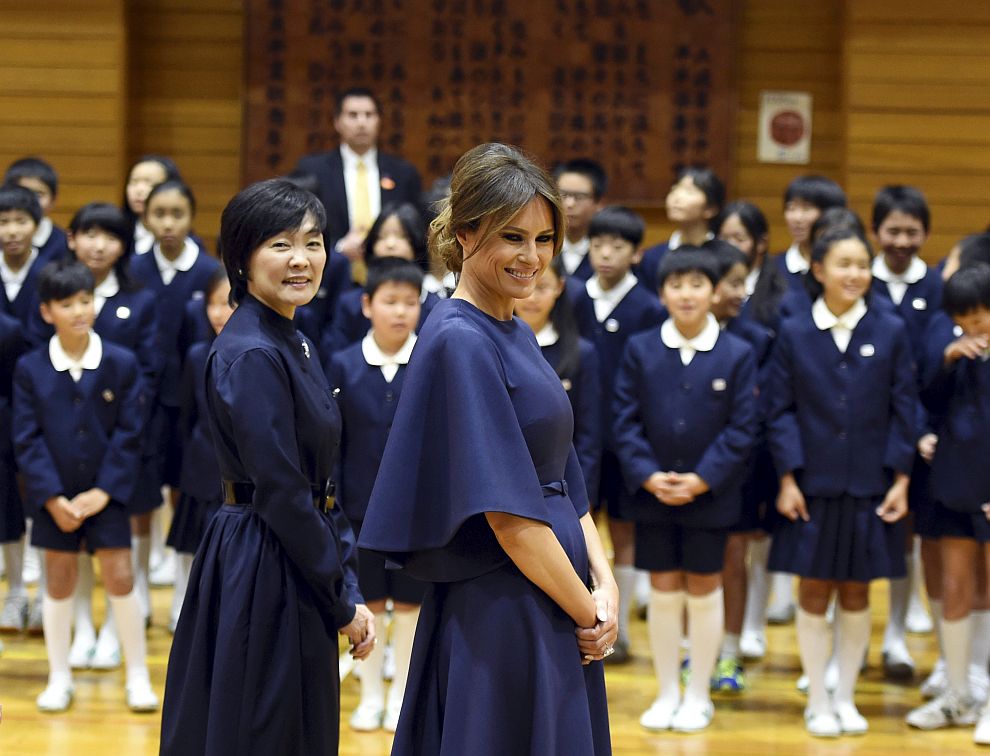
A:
185, 95
62, 94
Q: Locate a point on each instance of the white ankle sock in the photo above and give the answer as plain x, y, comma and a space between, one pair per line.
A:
625, 579
900, 593
13, 558
853, 637
83, 600
372, 684
56, 616
403, 632
706, 620
663, 624
757, 587
130, 627
957, 636
183, 564
140, 553
813, 646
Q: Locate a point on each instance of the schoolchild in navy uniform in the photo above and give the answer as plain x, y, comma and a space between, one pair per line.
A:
550, 314
398, 232
959, 397
610, 308
685, 421
693, 203
582, 183
20, 214
805, 199
14, 611
40, 177
78, 405
367, 377
175, 271
144, 174
732, 267
843, 403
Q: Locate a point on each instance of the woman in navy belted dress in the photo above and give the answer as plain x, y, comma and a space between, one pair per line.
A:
253, 667
480, 493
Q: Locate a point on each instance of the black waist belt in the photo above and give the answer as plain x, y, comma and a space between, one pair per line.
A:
242, 493
554, 488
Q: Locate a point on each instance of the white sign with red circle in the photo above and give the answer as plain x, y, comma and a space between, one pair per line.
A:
785, 127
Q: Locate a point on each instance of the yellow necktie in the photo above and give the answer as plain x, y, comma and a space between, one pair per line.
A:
362, 203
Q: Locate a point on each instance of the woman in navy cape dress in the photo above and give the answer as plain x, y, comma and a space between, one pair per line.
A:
484, 426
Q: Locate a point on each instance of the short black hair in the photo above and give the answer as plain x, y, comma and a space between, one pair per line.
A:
837, 218
725, 256
171, 173
169, 185
820, 248
256, 213
383, 270
819, 191
338, 103
688, 259
412, 224
590, 169
967, 289
33, 167
64, 278
749, 215
617, 220
974, 249
112, 220
16, 197
707, 181
900, 197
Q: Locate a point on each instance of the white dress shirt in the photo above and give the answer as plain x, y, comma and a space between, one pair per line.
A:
389, 363
572, 253
90, 359
703, 342
110, 287
841, 326
169, 268
351, 159
897, 283
795, 261
144, 240
606, 301
42, 233
547, 336
13, 281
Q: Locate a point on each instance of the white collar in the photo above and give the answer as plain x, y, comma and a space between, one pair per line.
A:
110, 286
795, 261
351, 158
90, 360
185, 260
752, 278
547, 336
580, 247
703, 342
616, 293
375, 357
914, 273
10, 276
825, 319
143, 239
43, 232
676, 240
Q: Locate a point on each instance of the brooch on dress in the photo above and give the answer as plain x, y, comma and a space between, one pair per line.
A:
305, 347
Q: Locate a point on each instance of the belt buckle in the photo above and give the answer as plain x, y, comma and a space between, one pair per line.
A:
329, 502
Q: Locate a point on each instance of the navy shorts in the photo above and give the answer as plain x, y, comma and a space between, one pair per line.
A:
109, 529
954, 524
668, 547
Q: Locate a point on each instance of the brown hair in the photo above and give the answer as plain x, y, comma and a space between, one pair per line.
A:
490, 184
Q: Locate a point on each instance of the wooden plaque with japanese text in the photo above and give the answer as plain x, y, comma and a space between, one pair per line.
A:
643, 86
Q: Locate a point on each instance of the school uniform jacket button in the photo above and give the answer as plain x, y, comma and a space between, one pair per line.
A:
842, 435
389, 396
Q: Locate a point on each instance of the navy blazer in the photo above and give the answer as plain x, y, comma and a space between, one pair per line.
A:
70, 437
584, 389
12, 346
367, 406
698, 418
349, 325
794, 280
200, 475
314, 318
649, 265
328, 167
761, 339
637, 311
959, 396
921, 301
843, 423
26, 303
171, 307
55, 246
583, 271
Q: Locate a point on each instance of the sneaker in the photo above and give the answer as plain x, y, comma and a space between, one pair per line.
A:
823, 724
620, 654
851, 722
981, 736
81, 653
35, 620
753, 645
979, 684
13, 616
660, 715
729, 676
897, 662
140, 697
107, 652
918, 621
391, 719
367, 717
693, 716
936, 683
55, 699
162, 573
947, 710
686, 671
780, 613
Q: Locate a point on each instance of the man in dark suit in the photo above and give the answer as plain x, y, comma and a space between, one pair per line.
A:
356, 180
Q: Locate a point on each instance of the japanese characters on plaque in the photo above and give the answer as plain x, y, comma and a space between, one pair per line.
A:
644, 86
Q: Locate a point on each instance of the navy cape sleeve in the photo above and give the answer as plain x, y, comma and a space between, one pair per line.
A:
455, 451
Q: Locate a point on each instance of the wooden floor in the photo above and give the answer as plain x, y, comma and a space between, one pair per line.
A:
764, 720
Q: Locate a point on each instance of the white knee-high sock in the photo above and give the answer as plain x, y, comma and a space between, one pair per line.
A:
372, 684
957, 635
403, 632
706, 621
140, 554
56, 616
900, 593
130, 625
853, 637
757, 587
663, 621
730, 646
979, 645
183, 565
813, 646
83, 602
13, 558
625, 579
783, 588
643, 587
